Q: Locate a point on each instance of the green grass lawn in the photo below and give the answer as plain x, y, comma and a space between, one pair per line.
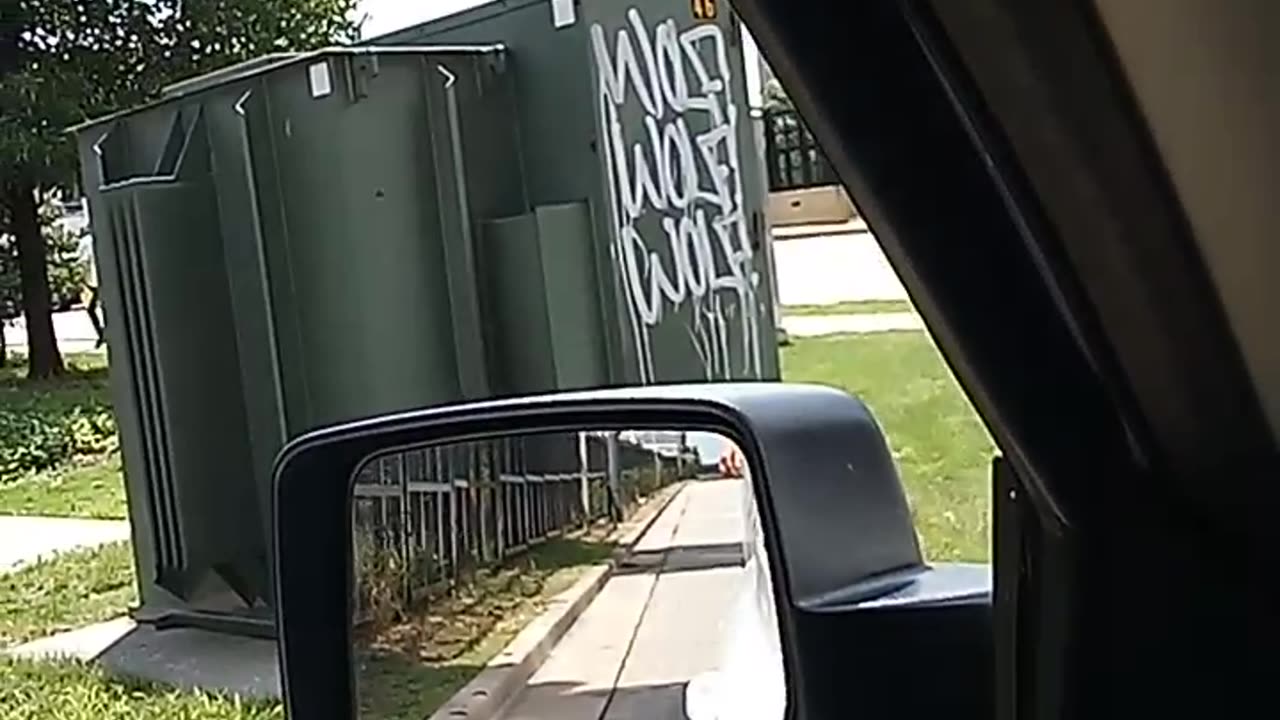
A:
431, 654
57, 442
941, 447
862, 307
475, 625
76, 691
413, 666
46, 425
65, 592
68, 591
87, 487
90, 366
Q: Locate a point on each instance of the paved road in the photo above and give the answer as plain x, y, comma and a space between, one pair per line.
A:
827, 269
655, 625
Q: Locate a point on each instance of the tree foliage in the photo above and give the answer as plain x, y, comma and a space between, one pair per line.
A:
66, 61
67, 267
775, 96
78, 59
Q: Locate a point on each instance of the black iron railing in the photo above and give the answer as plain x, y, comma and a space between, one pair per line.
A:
423, 519
793, 156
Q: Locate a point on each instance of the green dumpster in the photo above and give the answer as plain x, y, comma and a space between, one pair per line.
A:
503, 201
286, 245
639, 111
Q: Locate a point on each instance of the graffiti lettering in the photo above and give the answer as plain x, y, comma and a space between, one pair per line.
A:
680, 165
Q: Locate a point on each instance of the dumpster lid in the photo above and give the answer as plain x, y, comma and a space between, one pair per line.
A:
275, 61
222, 74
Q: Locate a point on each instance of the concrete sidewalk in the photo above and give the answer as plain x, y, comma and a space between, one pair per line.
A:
817, 325
73, 329
828, 269
655, 625
25, 540
791, 232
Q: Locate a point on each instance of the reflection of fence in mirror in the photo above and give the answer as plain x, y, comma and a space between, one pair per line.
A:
436, 528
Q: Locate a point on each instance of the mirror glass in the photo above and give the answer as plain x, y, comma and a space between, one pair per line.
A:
612, 574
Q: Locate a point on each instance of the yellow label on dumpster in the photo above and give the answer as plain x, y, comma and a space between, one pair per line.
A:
704, 9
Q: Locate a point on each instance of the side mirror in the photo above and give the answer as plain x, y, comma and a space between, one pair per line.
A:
845, 617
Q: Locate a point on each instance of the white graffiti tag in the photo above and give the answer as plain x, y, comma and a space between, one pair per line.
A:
681, 167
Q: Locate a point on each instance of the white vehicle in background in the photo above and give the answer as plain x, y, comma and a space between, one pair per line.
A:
749, 683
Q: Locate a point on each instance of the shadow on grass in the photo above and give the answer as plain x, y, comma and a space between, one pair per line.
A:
38, 689
86, 368
82, 386
393, 686
66, 591
416, 698
560, 553
89, 486
46, 423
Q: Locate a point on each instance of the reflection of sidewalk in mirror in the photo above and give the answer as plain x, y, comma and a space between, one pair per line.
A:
658, 623
788, 232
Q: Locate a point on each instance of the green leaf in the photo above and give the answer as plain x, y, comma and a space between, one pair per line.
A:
65, 61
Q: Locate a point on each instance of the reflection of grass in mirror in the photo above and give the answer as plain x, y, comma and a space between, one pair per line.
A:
413, 663
561, 553
942, 450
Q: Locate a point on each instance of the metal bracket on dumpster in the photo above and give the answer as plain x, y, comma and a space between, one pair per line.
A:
449, 77
359, 70
97, 151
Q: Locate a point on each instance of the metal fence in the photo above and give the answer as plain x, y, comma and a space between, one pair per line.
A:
793, 156
424, 518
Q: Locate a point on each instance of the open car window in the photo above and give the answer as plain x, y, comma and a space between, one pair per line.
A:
1054, 185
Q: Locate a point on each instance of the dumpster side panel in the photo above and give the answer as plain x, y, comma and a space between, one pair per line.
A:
556, 121
211, 469
575, 318
235, 117
552, 91
542, 318
517, 325
126, 400
492, 145
361, 229
175, 369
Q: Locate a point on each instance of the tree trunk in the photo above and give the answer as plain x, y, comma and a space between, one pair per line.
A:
24, 221
4, 345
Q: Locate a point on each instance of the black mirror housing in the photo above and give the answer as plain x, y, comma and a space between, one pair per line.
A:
837, 528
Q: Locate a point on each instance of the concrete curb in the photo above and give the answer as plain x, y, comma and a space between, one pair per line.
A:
806, 326
84, 644
489, 692
782, 233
